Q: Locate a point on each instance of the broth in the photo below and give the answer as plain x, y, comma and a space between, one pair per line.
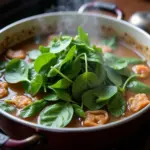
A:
17, 89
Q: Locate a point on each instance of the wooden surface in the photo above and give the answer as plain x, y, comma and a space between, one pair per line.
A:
131, 6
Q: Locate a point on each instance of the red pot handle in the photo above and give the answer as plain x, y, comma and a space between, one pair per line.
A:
110, 7
7, 142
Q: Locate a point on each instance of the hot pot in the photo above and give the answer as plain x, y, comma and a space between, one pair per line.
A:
22, 133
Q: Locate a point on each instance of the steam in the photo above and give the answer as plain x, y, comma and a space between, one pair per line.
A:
68, 23
67, 5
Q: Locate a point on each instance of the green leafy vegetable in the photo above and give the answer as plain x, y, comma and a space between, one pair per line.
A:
44, 49
97, 56
111, 42
105, 93
78, 110
61, 44
118, 63
128, 80
36, 84
131, 60
114, 61
57, 115
33, 109
81, 46
6, 107
117, 105
68, 58
69, 55
89, 100
52, 72
51, 97
16, 71
113, 76
83, 36
62, 94
125, 72
94, 57
100, 73
43, 60
61, 84
62, 75
83, 82
32, 73
138, 87
34, 54
74, 69
96, 98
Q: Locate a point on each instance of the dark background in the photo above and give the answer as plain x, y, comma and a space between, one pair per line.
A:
13, 10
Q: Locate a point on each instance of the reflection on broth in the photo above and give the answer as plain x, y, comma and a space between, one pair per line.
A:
100, 100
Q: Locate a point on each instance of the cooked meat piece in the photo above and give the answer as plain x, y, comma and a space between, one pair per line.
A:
138, 102
21, 101
3, 89
143, 70
95, 118
3, 85
20, 54
3, 92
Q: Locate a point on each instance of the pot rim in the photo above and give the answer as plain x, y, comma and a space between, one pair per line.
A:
81, 129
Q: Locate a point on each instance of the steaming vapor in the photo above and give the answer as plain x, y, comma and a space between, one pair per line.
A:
68, 5
68, 24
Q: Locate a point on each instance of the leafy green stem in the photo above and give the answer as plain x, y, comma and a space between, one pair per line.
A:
86, 64
85, 57
127, 81
61, 74
8, 101
79, 56
27, 80
45, 90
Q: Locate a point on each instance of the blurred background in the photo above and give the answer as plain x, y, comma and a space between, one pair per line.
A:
13, 10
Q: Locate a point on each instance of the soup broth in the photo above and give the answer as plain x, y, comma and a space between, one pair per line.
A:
134, 100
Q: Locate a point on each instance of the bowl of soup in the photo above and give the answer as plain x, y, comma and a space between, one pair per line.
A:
79, 80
